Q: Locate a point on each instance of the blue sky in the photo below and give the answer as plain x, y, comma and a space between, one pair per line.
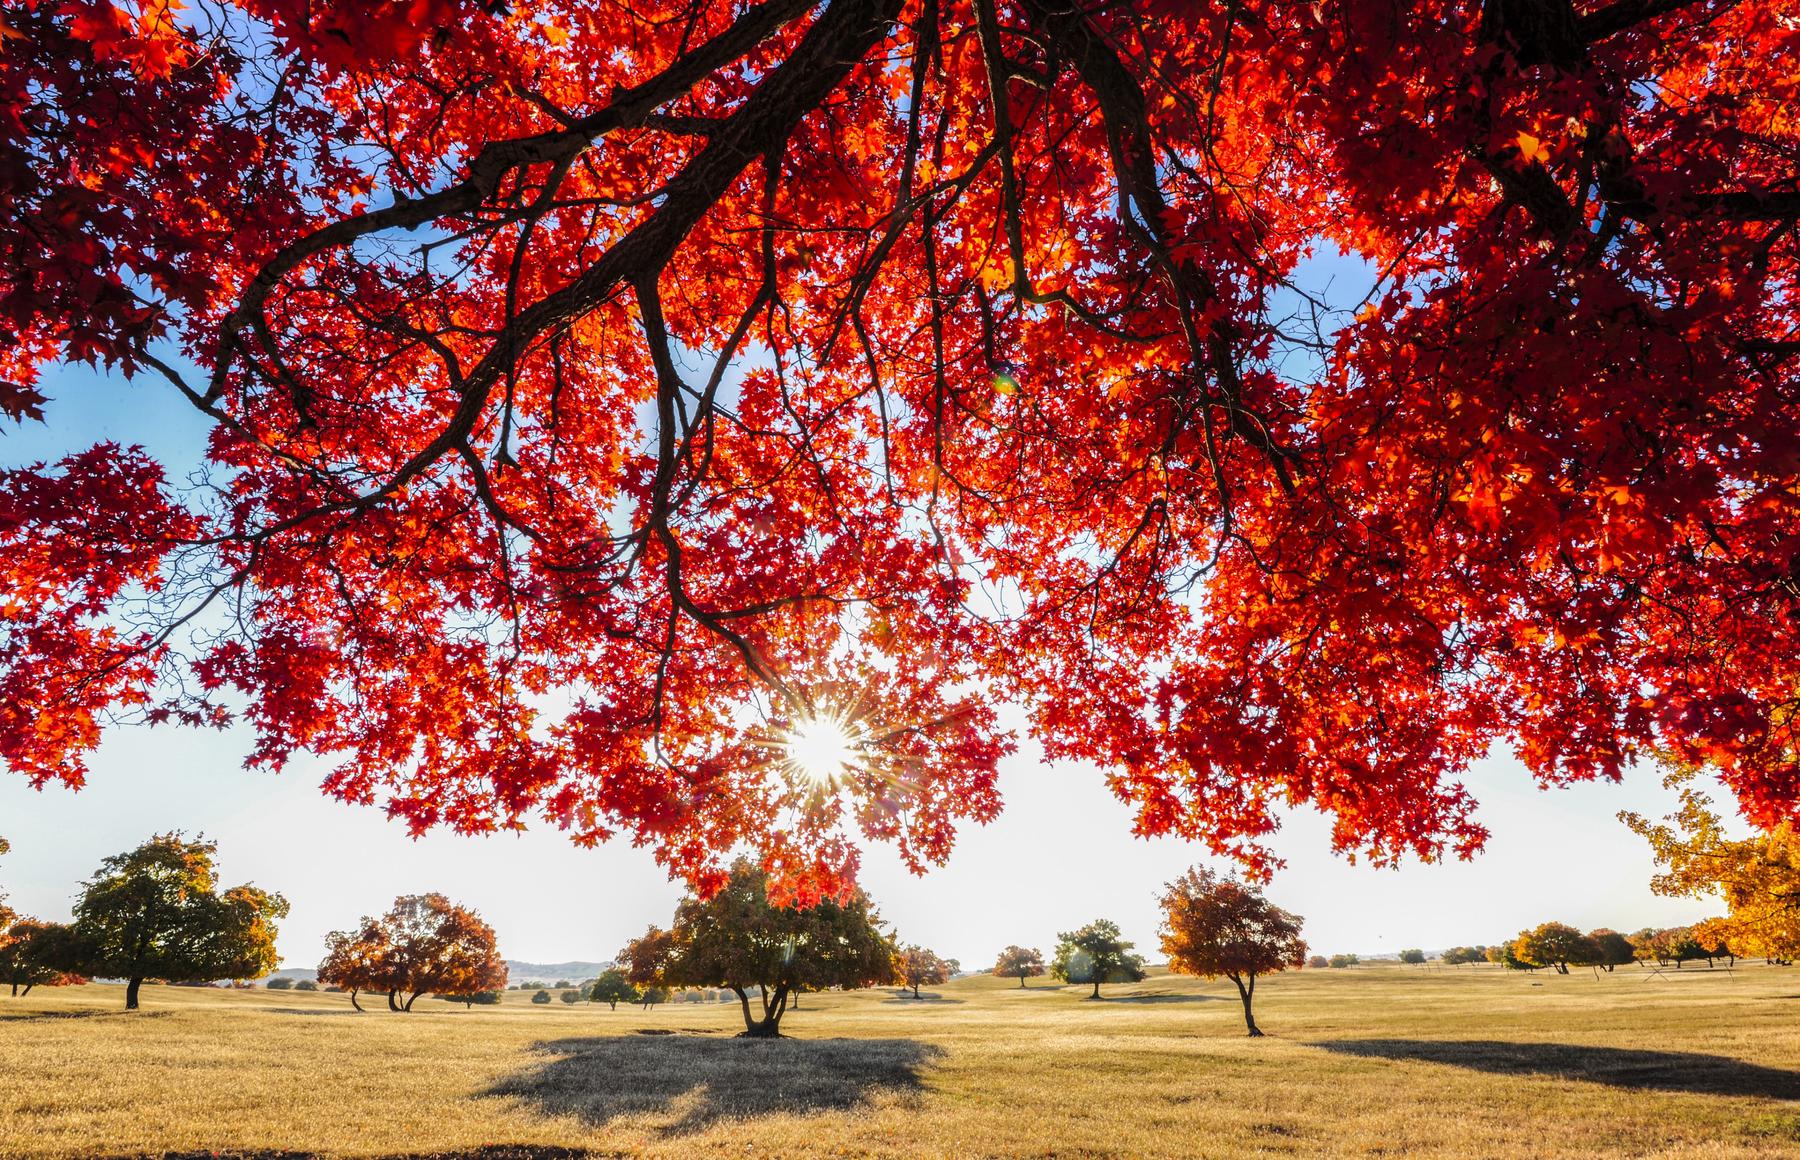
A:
1060, 855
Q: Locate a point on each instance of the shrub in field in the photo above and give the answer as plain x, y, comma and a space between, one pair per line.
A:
1413, 957
157, 912
1216, 926
1096, 954
571, 997
1317, 961
1019, 963
1341, 961
424, 944
1457, 956
612, 988
541, 997
280, 984
739, 939
305, 985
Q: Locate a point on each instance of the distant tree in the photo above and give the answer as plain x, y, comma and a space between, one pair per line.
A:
1341, 961
280, 983
541, 997
1412, 957
1216, 926
38, 954
477, 999
1096, 954
561, 985
1019, 963
1611, 949
305, 985
356, 961
653, 995
156, 912
1556, 945
612, 988
1715, 936
571, 997
424, 944
738, 939
918, 967
1685, 947
1317, 961
1458, 956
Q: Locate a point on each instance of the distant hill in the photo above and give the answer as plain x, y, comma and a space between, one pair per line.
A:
517, 972
572, 972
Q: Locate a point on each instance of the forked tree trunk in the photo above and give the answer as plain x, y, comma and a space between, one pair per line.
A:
131, 993
774, 1006
353, 1001
1247, 993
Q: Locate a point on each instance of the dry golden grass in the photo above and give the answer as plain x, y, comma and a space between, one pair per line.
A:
1371, 1061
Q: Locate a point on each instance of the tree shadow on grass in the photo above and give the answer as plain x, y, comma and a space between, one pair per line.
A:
692, 1082
923, 998
1163, 997
100, 1013
1669, 1071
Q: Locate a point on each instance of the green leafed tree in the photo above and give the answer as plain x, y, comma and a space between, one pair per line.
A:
739, 940
1341, 961
1413, 957
1096, 954
1611, 949
612, 988
1019, 963
156, 912
541, 997
280, 983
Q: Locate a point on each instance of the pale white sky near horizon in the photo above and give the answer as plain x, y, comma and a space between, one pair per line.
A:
1060, 855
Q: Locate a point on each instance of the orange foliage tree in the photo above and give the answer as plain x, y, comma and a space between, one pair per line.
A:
1018, 962
425, 943
1216, 926
603, 394
918, 966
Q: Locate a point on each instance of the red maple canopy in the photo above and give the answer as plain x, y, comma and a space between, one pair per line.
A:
606, 395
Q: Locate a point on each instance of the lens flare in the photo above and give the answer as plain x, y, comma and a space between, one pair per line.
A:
820, 748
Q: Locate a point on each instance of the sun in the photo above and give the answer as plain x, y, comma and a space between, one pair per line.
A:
821, 748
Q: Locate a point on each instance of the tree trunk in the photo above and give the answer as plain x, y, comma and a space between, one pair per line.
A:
1247, 994
131, 993
353, 1001
392, 1005
411, 999
916, 994
1096, 993
25, 992
774, 1007
615, 1004
1021, 982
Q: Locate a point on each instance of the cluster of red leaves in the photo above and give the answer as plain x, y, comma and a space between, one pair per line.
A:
600, 389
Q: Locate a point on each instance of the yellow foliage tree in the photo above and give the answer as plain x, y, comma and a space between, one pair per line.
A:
1758, 876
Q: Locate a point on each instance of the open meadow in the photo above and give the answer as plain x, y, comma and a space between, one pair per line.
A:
1376, 1060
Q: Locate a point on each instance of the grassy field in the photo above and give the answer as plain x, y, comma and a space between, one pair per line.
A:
1370, 1061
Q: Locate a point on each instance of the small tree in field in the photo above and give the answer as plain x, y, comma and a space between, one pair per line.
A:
156, 913
541, 997
1019, 963
1216, 926
1458, 956
1556, 945
1413, 957
1317, 961
739, 940
280, 983
1611, 949
571, 997
305, 985
424, 944
919, 967
1341, 961
653, 996
1096, 954
38, 954
612, 988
